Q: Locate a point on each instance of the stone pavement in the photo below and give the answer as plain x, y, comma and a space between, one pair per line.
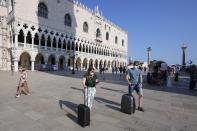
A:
55, 96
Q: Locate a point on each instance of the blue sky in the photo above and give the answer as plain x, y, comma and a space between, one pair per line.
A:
164, 25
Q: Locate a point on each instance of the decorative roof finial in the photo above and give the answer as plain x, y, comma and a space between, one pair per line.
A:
97, 12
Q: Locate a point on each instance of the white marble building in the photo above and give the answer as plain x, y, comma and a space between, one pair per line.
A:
38, 34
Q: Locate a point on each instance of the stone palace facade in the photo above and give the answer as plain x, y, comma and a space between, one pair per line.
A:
38, 34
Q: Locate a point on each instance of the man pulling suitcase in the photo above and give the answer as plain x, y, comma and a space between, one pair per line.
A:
134, 79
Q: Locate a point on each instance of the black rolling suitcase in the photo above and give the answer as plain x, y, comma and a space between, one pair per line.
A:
128, 104
84, 114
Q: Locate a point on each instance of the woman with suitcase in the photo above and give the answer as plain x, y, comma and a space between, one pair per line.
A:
89, 83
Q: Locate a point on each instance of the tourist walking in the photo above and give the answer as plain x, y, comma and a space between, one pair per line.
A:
89, 83
113, 70
116, 70
135, 80
22, 87
121, 70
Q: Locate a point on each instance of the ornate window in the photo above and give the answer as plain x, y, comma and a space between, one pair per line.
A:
107, 36
85, 27
116, 40
122, 42
68, 20
98, 33
42, 10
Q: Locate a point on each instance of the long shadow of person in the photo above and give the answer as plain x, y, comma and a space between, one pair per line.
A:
70, 109
75, 88
108, 103
120, 91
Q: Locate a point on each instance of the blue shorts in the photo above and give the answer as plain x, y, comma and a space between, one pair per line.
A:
136, 88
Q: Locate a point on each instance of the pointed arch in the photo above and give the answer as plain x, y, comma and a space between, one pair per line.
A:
43, 40
54, 42
21, 36
49, 41
36, 39
59, 43
29, 38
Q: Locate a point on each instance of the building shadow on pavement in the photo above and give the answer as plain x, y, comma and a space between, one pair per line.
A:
70, 109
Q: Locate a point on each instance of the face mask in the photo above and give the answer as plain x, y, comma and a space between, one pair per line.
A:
92, 73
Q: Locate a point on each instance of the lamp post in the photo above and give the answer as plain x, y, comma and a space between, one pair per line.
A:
148, 51
183, 47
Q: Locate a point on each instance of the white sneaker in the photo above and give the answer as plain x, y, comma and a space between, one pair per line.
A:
17, 96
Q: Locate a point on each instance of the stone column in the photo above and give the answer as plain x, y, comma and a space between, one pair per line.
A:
25, 40
16, 40
39, 45
57, 45
52, 44
45, 44
74, 47
62, 45
66, 63
97, 66
32, 65
93, 64
56, 64
15, 65
78, 48
88, 65
12, 40
32, 42
66, 46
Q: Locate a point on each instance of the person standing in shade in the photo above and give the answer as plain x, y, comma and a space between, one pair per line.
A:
113, 70
193, 77
120, 69
135, 80
22, 84
89, 83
